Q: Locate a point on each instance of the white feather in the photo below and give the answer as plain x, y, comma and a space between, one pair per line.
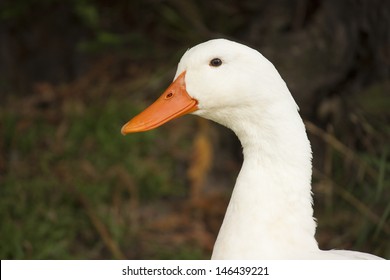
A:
270, 213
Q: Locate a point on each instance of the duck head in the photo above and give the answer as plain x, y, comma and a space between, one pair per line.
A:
220, 80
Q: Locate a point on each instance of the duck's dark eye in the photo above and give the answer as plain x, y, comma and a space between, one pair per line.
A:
215, 62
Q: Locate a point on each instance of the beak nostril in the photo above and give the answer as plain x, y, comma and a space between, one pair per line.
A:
169, 95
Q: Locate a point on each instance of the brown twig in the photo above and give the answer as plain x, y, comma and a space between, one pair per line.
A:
99, 226
340, 147
355, 202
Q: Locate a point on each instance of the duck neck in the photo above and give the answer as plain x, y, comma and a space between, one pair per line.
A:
270, 213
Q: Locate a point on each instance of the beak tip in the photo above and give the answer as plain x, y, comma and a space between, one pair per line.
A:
123, 131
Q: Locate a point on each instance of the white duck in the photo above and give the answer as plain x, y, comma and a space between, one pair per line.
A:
270, 213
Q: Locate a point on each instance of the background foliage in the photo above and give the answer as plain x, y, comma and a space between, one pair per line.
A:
73, 72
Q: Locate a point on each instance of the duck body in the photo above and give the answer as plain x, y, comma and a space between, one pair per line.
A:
270, 214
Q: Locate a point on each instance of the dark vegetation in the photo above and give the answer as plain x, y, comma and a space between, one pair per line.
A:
73, 72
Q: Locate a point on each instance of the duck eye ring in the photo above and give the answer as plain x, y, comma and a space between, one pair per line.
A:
215, 62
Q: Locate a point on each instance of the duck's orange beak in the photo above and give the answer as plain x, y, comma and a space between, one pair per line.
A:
173, 103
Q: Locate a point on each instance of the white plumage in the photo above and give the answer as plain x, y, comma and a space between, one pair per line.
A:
270, 213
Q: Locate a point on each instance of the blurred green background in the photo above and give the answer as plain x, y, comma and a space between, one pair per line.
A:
73, 72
